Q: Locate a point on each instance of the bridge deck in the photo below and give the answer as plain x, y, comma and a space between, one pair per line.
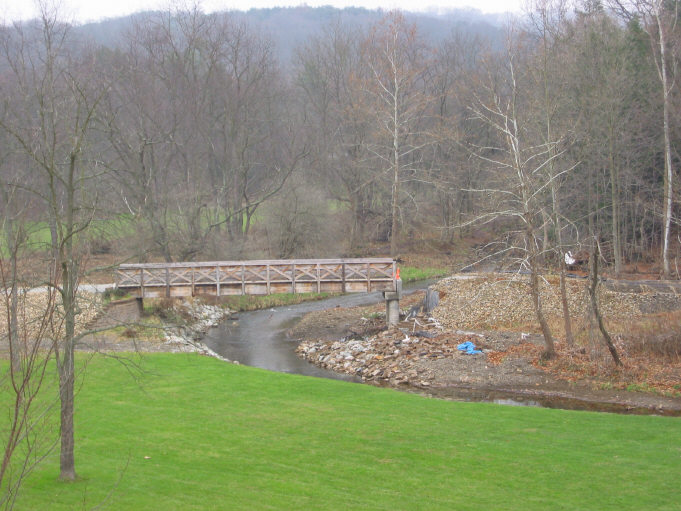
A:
220, 278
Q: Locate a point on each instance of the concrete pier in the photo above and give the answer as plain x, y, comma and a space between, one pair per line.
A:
392, 304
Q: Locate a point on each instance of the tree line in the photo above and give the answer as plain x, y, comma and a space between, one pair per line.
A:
191, 130
192, 136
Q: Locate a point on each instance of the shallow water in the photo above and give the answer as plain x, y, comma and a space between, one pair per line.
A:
259, 338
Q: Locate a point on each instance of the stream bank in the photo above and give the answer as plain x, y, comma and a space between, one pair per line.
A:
422, 356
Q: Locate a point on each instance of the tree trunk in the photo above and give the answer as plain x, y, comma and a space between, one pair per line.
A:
569, 337
591, 200
550, 351
567, 320
554, 187
65, 360
69, 278
614, 194
593, 276
67, 464
396, 174
668, 175
545, 242
14, 343
395, 215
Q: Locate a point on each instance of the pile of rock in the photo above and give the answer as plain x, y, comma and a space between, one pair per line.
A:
187, 338
390, 356
493, 306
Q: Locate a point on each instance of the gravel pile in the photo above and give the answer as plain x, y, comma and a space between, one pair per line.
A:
32, 307
486, 302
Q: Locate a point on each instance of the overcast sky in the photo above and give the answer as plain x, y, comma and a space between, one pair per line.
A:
92, 10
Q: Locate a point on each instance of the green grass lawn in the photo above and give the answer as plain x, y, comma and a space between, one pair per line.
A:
194, 433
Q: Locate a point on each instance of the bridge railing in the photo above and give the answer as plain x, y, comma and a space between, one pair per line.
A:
262, 277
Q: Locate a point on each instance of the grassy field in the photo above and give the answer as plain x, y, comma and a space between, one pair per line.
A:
103, 231
193, 433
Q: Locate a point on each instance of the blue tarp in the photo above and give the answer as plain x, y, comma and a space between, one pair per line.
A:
468, 347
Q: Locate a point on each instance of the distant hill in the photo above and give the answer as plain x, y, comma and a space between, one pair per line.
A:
289, 27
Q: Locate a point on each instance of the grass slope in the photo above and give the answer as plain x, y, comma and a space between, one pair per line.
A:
219, 436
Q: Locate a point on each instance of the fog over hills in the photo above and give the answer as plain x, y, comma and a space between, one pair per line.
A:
288, 27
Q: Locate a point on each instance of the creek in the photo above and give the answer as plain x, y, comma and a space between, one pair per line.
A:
259, 339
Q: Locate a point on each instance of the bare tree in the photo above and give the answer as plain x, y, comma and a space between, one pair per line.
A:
50, 105
27, 435
609, 98
547, 18
520, 164
399, 103
330, 70
201, 133
593, 299
453, 172
23, 332
246, 113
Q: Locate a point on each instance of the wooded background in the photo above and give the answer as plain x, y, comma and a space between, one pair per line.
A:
180, 135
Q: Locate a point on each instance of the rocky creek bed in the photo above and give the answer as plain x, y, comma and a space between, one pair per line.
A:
494, 313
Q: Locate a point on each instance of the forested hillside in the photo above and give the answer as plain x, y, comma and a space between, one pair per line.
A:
316, 132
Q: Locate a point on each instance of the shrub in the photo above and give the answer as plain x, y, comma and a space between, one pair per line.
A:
113, 293
658, 336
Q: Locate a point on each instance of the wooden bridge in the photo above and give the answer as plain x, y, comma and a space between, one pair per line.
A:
224, 278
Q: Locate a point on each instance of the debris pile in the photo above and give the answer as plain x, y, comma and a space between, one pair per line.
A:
390, 356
